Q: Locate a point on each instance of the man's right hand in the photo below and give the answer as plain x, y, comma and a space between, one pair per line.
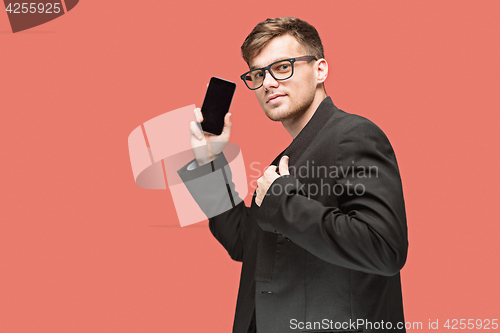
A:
206, 147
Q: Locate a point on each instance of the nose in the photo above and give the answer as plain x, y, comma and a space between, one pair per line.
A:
269, 81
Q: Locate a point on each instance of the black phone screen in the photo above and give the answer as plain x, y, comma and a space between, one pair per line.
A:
216, 104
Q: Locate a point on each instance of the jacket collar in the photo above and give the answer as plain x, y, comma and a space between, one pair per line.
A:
325, 110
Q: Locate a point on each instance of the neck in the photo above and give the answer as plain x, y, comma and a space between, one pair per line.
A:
294, 126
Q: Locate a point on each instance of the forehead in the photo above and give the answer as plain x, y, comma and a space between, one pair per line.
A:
281, 47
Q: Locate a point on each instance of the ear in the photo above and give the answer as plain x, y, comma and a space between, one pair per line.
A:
321, 70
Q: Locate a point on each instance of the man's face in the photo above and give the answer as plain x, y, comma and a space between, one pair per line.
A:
285, 100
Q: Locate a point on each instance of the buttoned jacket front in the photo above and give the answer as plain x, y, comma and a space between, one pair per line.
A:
325, 248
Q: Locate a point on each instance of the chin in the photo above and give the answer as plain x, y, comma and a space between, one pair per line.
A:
279, 113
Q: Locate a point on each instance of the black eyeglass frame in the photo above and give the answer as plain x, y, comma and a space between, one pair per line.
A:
246, 77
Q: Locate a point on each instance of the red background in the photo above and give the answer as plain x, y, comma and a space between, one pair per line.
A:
83, 249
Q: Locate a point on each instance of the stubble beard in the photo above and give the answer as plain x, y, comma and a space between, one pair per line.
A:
294, 112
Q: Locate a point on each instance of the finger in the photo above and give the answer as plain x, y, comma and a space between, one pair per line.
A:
227, 123
271, 168
198, 115
284, 165
195, 130
259, 182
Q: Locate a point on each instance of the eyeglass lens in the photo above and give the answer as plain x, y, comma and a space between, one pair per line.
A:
280, 71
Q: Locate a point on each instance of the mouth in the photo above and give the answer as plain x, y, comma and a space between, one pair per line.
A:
275, 98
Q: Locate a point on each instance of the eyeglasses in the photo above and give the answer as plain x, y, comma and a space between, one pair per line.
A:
280, 70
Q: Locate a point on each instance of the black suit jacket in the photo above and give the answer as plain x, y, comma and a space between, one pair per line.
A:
323, 251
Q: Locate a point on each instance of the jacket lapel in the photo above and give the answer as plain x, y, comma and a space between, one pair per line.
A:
299, 145
266, 246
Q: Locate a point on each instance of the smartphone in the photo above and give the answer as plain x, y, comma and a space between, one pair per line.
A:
216, 104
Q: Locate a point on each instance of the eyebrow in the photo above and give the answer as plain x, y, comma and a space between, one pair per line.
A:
277, 59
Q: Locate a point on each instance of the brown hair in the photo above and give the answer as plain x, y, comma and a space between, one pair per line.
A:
265, 31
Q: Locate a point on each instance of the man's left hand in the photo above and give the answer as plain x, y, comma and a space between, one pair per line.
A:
270, 175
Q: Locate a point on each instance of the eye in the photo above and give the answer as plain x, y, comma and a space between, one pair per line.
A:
257, 75
283, 67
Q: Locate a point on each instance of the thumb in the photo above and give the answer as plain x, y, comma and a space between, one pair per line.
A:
284, 166
227, 120
227, 123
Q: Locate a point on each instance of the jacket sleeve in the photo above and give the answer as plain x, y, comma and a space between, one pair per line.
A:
212, 188
366, 229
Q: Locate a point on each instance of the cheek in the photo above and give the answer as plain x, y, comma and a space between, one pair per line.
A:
309, 85
300, 90
259, 96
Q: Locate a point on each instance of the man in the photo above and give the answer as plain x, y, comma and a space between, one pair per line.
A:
325, 238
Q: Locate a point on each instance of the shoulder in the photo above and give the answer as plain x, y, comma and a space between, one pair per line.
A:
343, 124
